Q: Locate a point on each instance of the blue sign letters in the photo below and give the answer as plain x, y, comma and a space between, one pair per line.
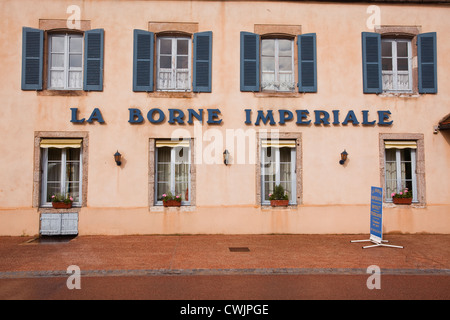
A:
376, 213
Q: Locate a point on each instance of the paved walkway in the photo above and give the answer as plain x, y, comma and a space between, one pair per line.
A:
23, 257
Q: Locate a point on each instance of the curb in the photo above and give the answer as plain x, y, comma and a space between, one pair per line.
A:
214, 272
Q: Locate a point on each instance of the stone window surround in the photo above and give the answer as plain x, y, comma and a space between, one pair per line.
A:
298, 152
405, 32
58, 25
151, 178
420, 164
38, 136
171, 29
280, 31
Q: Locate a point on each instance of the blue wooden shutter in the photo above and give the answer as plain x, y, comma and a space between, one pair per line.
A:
143, 61
93, 60
371, 56
307, 64
202, 61
249, 61
426, 56
32, 58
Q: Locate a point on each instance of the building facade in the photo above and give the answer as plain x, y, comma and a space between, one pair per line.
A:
219, 103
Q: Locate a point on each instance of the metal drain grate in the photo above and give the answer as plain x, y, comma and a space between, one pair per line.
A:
239, 249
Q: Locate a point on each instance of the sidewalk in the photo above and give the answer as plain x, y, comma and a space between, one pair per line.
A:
222, 254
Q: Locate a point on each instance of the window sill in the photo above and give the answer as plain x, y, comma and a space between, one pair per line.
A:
400, 94
65, 93
273, 94
171, 94
414, 205
52, 210
267, 207
182, 208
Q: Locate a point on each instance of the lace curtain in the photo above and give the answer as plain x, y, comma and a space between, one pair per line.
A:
56, 166
271, 168
173, 172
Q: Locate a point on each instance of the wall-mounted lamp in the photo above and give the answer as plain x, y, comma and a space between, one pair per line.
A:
118, 158
226, 157
344, 155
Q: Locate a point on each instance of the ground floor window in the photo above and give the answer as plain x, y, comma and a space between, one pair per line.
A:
402, 163
61, 169
279, 163
173, 170
278, 168
400, 167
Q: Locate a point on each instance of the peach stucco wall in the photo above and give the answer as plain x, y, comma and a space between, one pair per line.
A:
334, 198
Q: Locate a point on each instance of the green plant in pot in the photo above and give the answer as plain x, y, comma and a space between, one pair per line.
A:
402, 197
170, 200
279, 197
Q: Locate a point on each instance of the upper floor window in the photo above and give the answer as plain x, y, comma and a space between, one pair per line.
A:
387, 63
174, 64
172, 60
277, 65
268, 64
65, 61
396, 65
74, 60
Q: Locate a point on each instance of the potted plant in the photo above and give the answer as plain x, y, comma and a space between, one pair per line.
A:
402, 197
170, 200
60, 201
279, 197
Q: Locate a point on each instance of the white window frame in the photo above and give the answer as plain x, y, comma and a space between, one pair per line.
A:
172, 176
173, 70
398, 162
293, 197
395, 72
66, 68
276, 86
44, 192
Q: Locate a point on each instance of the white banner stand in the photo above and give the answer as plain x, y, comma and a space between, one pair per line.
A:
377, 244
376, 221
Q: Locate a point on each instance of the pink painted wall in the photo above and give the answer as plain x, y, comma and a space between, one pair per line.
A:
334, 198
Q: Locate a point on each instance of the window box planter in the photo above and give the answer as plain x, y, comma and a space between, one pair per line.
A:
171, 203
279, 203
402, 200
61, 205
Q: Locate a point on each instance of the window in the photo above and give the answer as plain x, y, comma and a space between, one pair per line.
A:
269, 64
396, 65
278, 167
74, 60
183, 63
65, 61
173, 170
387, 62
61, 169
277, 65
400, 167
174, 64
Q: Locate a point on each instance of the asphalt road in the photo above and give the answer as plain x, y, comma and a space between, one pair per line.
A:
229, 287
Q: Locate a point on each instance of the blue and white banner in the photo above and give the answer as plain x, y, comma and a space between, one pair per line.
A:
376, 214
